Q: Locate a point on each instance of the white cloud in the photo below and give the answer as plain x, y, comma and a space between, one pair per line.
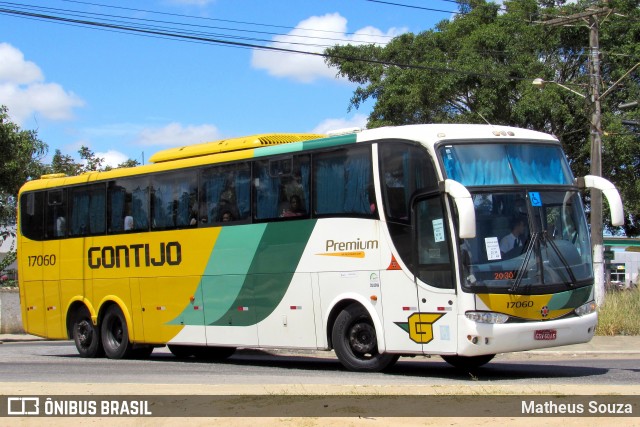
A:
314, 34
358, 121
112, 158
13, 67
176, 135
24, 91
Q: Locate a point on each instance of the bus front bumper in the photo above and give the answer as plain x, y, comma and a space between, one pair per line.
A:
480, 338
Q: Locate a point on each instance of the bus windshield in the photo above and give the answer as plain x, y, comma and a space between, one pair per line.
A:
506, 164
531, 236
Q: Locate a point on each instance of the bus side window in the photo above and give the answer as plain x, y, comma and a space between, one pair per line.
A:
224, 194
32, 215
87, 210
173, 197
282, 188
343, 183
128, 201
56, 214
405, 169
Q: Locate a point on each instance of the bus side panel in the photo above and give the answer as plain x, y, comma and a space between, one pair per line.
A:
292, 323
192, 318
163, 301
53, 311
33, 308
230, 315
399, 302
136, 333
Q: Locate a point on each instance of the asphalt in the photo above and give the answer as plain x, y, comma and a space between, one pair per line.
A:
618, 344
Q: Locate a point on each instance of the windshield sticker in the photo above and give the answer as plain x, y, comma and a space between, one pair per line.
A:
438, 230
534, 196
493, 248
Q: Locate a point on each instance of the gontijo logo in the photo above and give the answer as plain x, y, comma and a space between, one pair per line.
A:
352, 249
136, 255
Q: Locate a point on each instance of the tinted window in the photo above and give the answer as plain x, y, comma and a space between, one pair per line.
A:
55, 214
282, 188
128, 205
343, 182
87, 214
406, 169
174, 200
225, 194
32, 215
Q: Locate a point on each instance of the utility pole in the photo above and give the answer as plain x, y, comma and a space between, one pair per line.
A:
595, 81
596, 161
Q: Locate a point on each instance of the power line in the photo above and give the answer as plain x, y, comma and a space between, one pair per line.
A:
211, 19
223, 42
415, 7
105, 17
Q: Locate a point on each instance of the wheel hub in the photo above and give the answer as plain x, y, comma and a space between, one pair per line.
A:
362, 338
84, 333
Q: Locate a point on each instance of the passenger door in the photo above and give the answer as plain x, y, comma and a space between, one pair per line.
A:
435, 326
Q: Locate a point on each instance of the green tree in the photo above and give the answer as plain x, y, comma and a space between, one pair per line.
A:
479, 66
20, 161
64, 163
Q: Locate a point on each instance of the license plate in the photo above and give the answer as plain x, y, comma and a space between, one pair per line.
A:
545, 335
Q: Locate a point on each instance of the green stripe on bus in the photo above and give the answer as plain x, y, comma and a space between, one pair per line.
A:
225, 273
569, 299
272, 268
305, 145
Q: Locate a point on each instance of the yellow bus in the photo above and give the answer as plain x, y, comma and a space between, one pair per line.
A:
462, 241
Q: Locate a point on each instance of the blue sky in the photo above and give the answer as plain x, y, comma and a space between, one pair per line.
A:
123, 95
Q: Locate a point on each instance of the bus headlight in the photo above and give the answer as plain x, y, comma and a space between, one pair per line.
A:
587, 308
486, 317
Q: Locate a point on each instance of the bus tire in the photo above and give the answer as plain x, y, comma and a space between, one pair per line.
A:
355, 341
86, 335
115, 335
468, 362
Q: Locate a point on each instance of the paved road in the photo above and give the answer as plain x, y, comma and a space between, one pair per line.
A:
49, 362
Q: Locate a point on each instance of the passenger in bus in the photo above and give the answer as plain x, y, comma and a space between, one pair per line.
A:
128, 219
61, 226
226, 216
512, 243
295, 207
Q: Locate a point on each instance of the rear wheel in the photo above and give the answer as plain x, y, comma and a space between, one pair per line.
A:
355, 341
115, 335
86, 335
468, 362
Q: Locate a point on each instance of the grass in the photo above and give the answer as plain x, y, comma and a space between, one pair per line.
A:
9, 284
620, 313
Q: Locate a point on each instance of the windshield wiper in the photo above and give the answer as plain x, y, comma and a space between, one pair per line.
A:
525, 262
563, 260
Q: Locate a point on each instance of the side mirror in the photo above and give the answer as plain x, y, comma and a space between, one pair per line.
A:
610, 192
464, 204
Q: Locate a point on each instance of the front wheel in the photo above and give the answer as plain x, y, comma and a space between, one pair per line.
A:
468, 362
355, 341
115, 335
86, 335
